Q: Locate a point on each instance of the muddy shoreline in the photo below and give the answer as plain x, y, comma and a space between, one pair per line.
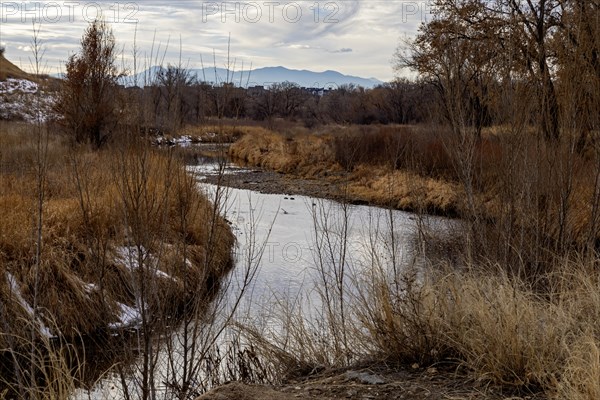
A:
269, 182
332, 188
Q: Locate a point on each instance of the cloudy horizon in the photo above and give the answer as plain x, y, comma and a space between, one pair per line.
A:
355, 37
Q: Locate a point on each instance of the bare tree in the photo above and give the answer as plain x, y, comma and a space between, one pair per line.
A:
471, 41
173, 81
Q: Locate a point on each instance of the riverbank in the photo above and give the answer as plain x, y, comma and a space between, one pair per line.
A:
96, 244
371, 383
404, 333
309, 164
502, 303
271, 182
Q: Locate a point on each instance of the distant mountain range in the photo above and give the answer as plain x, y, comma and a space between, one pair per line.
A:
263, 77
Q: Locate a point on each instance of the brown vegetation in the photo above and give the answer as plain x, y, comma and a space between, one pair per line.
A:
509, 298
10, 70
87, 101
124, 226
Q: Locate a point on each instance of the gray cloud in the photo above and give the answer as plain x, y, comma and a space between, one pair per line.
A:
342, 50
362, 34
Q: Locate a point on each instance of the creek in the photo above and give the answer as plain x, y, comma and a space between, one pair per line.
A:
287, 244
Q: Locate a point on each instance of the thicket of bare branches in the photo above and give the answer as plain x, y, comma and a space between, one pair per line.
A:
531, 70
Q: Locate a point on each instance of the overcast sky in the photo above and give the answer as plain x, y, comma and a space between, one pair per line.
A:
355, 37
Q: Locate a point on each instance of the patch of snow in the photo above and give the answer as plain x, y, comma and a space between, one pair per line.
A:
128, 316
162, 274
18, 85
16, 290
365, 378
90, 287
21, 99
182, 141
128, 256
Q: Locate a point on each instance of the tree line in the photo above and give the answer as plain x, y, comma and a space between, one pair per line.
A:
177, 99
474, 61
543, 54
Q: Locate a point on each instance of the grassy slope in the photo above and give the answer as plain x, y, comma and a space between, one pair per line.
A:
10, 70
95, 204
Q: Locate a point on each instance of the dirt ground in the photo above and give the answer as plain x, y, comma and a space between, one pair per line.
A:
379, 383
270, 182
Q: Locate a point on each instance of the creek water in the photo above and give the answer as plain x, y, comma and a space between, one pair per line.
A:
287, 241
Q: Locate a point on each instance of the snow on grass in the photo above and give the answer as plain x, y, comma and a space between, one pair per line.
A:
129, 257
181, 141
128, 317
19, 100
90, 287
18, 85
16, 290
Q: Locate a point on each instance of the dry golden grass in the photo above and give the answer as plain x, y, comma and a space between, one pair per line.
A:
299, 154
405, 190
479, 322
96, 204
581, 377
314, 156
10, 70
494, 327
